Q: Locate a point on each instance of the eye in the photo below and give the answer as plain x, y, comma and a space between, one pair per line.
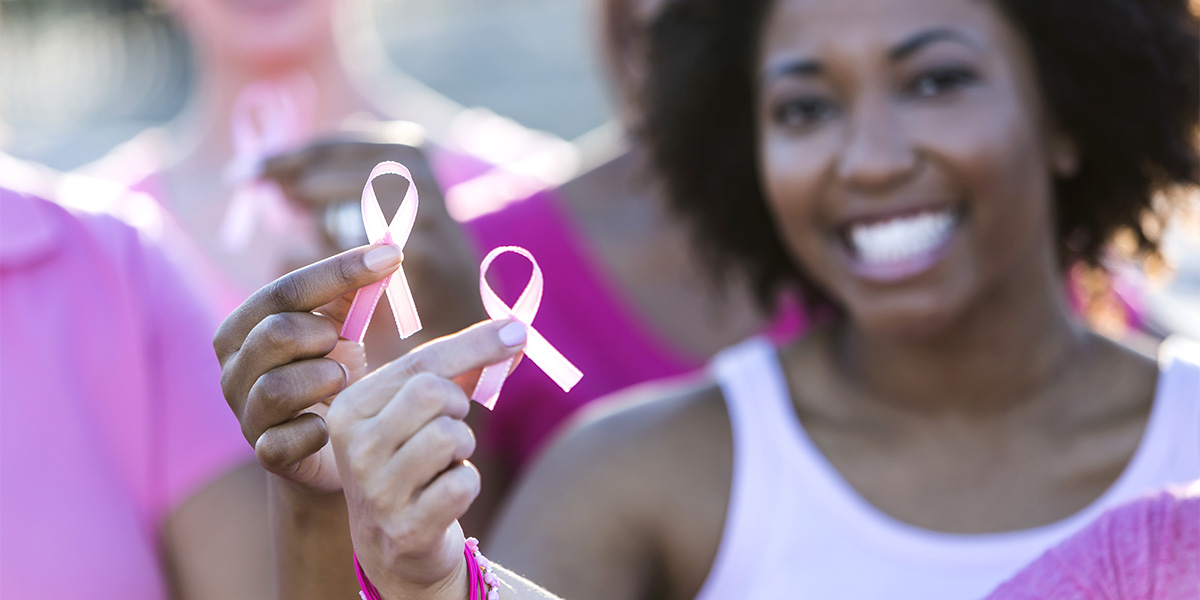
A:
940, 82
804, 112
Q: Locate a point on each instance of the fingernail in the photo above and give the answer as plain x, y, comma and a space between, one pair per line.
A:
513, 334
382, 258
346, 372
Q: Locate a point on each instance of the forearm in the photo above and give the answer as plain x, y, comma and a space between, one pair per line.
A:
313, 552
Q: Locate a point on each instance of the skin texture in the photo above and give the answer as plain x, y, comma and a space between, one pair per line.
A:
216, 542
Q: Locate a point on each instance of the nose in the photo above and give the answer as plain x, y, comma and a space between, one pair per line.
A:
878, 153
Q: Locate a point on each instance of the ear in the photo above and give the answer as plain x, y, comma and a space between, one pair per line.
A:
1063, 154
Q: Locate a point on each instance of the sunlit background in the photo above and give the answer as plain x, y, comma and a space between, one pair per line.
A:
80, 76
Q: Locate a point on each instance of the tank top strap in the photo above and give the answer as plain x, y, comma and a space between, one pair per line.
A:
1179, 398
764, 469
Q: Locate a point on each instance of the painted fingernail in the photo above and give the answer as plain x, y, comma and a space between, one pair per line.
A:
513, 334
382, 258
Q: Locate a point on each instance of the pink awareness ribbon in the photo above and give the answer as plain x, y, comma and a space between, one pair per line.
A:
537, 348
267, 120
381, 232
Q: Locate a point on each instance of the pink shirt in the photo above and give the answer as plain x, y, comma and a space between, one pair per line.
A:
110, 405
1148, 549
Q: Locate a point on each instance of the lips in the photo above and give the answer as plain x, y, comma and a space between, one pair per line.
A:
900, 246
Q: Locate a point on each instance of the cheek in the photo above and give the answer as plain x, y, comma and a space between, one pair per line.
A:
995, 157
793, 171
793, 174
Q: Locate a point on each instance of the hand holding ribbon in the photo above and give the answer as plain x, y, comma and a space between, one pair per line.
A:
379, 231
537, 348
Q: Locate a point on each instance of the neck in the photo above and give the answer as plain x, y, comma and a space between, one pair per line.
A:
203, 127
1000, 354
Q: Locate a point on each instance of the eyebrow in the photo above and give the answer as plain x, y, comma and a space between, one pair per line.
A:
794, 68
812, 67
925, 38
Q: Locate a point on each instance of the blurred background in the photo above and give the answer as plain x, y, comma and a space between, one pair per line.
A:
77, 77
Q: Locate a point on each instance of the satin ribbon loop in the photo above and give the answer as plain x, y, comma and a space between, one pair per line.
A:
379, 231
537, 348
267, 120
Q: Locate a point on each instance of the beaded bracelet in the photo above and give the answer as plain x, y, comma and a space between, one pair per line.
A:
482, 577
483, 583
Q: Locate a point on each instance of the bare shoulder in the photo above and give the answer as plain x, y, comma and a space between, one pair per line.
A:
636, 488
646, 427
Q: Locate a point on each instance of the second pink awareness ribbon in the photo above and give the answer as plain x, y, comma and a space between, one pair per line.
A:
379, 231
537, 348
267, 120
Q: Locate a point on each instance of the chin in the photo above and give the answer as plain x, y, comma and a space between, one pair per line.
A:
270, 54
913, 316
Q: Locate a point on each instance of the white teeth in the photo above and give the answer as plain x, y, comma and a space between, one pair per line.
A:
903, 238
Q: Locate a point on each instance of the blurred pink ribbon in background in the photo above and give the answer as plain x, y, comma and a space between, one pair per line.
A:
269, 117
379, 231
537, 348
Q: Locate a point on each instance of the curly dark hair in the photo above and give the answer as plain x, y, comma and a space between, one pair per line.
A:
1120, 76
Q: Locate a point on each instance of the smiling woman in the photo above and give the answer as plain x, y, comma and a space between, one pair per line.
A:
926, 168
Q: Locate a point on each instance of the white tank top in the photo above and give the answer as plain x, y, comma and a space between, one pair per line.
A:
796, 529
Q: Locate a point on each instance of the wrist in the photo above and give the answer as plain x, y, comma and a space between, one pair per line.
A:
304, 504
455, 587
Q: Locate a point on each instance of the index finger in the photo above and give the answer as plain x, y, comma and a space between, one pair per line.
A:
464, 353
306, 289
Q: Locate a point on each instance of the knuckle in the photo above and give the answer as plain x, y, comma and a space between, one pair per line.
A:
280, 330
272, 453
285, 292
442, 432
347, 273
251, 433
467, 441
426, 360
426, 392
424, 384
462, 487
227, 385
271, 390
222, 345
331, 378
361, 471
404, 534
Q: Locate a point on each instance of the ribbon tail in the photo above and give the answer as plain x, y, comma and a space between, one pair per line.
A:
238, 222
551, 361
274, 207
404, 309
487, 391
355, 326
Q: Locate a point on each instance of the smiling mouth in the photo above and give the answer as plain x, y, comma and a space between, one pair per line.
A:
902, 246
